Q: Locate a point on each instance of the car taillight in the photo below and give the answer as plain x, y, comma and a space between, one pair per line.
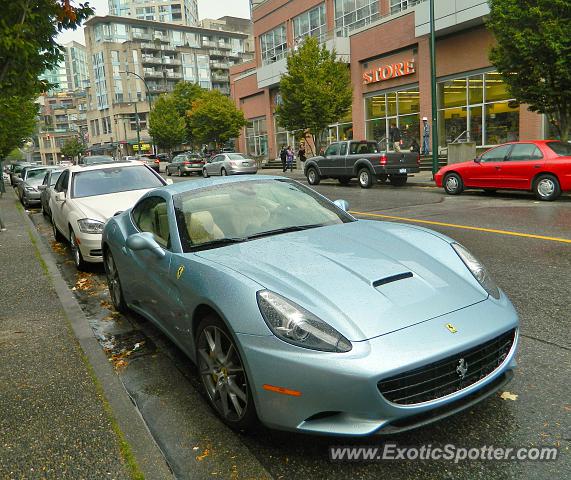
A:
186, 163
383, 160
157, 161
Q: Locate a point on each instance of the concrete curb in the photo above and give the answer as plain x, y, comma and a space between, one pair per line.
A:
145, 450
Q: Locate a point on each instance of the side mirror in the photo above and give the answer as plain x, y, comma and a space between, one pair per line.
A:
60, 196
169, 181
18, 180
478, 159
144, 241
342, 204
41, 188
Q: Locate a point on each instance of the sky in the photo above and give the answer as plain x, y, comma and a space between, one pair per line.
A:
206, 9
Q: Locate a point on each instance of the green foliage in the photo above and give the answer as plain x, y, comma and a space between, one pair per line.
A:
533, 54
17, 122
185, 93
27, 41
15, 155
166, 124
214, 118
72, 147
316, 91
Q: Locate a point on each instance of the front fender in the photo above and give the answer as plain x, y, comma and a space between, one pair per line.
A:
311, 163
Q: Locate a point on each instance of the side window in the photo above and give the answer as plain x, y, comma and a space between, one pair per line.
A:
497, 154
46, 178
332, 149
537, 155
343, 149
61, 184
524, 151
151, 215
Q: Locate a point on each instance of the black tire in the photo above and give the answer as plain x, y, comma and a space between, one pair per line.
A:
382, 178
453, 184
223, 172
57, 235
365, 177
44, 213
223, 374
80, 264
168, 173
344, 181
312, 176
546, 188
398, 180
114, 282
204, 173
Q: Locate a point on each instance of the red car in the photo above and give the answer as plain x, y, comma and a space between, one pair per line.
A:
540, 166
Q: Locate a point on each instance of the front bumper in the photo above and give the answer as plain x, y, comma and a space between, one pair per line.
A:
90, 246
31, 198
340, 393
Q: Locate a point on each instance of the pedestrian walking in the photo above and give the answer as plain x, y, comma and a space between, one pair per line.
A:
283, 157
289, 158
425, 137
301, 152
395, 137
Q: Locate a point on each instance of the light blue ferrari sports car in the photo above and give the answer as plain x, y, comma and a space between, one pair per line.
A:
302, 317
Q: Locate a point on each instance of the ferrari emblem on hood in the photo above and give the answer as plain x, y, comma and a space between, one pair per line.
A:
451, 328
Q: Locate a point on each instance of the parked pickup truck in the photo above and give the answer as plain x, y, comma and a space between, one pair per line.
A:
362, 160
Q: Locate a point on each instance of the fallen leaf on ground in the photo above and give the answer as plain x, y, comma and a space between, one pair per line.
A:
508, 396
204, 454
120, 364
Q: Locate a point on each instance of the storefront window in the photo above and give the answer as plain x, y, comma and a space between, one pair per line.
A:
257, 138
399, 108
462, 103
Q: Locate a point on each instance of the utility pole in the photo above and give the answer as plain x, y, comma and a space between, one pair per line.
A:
138, 129
433, 91
148, 100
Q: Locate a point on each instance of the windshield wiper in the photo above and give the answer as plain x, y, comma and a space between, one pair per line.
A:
217, 243
277, 231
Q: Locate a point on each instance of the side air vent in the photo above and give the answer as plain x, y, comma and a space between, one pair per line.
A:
392, 278
118, 213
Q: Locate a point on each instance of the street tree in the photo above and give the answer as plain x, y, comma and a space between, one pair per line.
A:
17, 122
72, 148
185, 93
166, 125
214, 118
533, 54
315, 92
28, 46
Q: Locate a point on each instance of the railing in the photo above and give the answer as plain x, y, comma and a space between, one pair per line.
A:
465, 132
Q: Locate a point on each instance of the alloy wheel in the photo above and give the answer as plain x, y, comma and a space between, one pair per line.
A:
75, 251
222, 373
113, 282
546, 187
364, 177
452, 183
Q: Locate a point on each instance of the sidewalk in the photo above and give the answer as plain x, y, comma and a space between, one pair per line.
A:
54, 419
423, 179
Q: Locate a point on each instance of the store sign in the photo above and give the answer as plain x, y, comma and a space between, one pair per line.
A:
388, 72
144, 146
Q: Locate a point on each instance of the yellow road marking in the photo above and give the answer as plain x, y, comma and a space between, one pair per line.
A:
466, 227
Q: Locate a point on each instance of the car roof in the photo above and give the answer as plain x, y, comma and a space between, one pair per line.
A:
102, 166
182, 187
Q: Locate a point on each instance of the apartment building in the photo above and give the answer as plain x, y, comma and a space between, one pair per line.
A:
182, 12
62, 116
232, 24
132, 61
385, 44
71, 73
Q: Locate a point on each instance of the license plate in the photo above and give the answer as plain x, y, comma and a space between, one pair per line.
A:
196, 165
402, 170
245, 164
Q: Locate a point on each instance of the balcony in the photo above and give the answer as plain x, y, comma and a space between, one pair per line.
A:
221, 65
449, 15
141, 36
151, 59
175, 75
171, 61
220, 77
152, 74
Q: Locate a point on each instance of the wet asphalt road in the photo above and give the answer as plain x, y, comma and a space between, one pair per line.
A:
536, 275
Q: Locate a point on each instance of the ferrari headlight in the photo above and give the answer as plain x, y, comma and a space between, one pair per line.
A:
295, 325
88, 225
30, 189
478, 270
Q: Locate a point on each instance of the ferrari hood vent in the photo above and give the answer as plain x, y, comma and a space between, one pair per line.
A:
392, 278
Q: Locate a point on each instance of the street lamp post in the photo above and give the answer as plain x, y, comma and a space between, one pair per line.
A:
138, 130
150, 105
433, 91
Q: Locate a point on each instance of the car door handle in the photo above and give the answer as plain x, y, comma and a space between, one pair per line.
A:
537, 166
498, 167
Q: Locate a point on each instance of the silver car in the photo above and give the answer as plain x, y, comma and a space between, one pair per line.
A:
27, 187
185, 164
229, 164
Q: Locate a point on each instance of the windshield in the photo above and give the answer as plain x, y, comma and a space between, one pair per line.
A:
560, 148
94, 159
112, 180
358, 148
236, 156
241, 211
36, 176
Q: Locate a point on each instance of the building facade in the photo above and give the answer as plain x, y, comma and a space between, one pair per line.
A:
62, 116
71, 73
232, 24
181, 12
385, 44
132, 61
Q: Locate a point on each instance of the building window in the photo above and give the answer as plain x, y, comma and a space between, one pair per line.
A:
273, 45
311, 23
400, 5
343, 130
399, 108
352, 14
478, 108
257, 137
